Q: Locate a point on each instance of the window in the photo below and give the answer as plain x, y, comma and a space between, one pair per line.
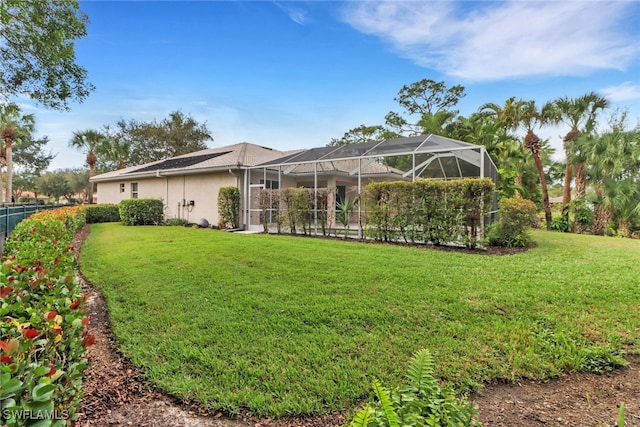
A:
270, 185
122, 187
134, 190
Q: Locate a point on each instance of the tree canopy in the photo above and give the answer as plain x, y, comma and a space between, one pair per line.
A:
37, 51
150, 141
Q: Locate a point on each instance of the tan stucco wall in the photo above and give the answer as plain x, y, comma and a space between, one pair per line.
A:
202, 189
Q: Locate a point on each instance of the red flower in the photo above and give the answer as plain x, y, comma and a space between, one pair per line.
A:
56, 329
88, 340
6, 359
52, 371
4, 291
4, 345
30, 333
50, 315
85, 320
75, 304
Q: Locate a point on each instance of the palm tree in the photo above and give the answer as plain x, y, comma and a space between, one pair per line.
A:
13, 126
91, 141
531, 117
580, 114
116, 152
613, 165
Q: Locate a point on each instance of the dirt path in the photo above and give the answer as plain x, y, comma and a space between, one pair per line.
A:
115, 396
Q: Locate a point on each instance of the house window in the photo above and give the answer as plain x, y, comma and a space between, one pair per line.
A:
134, 190
270, 185
122, 187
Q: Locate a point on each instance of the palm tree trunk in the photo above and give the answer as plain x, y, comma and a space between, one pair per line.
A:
543, 187
566, 190
581, 180
518, 182
9, 157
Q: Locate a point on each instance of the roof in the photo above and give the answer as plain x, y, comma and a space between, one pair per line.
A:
235, 156
389, 147
432, 156
345, 167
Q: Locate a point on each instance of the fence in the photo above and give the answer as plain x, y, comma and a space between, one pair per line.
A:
11, 215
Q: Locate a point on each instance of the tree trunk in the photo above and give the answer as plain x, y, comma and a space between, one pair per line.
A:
581, 180
92, 172
543, 187
9, 170
518, 181
566, 190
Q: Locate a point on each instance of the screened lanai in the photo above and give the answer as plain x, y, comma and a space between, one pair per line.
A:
348, 168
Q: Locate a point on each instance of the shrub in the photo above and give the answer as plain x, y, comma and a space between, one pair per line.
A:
43, 327
582, 215
141, 211
176, 222
102, 213
421, 402
516, 216
229, 207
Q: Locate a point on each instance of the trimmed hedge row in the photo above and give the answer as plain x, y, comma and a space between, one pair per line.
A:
43, 326
102, 213
141, 211
439, 212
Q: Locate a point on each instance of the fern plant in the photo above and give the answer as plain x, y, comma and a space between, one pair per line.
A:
419, 402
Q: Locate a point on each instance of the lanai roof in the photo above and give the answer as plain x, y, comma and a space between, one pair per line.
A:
433, 156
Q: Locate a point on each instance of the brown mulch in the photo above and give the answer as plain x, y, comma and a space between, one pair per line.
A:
115, 395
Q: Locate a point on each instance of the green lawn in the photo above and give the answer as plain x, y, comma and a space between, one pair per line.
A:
286, 325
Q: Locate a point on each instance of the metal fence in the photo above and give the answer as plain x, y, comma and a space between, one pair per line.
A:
11, 215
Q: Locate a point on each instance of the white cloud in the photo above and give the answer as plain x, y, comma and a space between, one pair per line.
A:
482, 41
626, 91
296, 14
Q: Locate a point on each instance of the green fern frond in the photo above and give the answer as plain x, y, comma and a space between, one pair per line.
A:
420, 372
384, 397
364, 418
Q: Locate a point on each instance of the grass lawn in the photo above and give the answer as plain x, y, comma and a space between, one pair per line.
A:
286, 325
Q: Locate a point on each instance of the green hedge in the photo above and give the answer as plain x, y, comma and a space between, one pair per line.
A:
229, 207
516, 216
102, 213
141, 211
43, 323
439, 212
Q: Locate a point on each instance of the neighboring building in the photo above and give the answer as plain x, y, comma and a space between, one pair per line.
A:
189, 184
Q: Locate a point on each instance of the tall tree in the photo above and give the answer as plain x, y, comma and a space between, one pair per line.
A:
580, 115
531, 117
54, 184
175, 135
115, 152
362, 133
37, 52
14, 126
90, 141
432, 102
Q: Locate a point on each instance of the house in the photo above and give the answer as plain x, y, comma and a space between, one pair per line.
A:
189, 184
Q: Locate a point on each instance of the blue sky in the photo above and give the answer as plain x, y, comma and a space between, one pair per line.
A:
295, 74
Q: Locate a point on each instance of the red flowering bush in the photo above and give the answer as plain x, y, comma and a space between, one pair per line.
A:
43, 326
